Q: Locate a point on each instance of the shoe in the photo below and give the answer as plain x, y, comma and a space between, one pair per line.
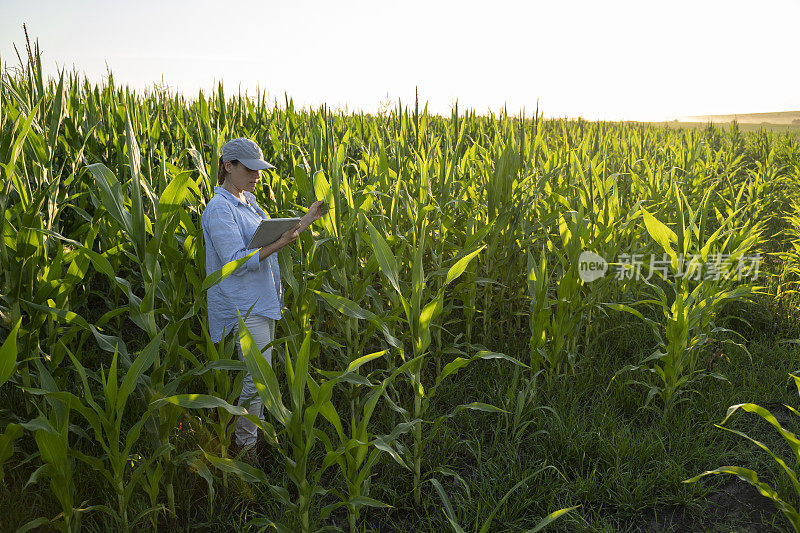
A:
248, 454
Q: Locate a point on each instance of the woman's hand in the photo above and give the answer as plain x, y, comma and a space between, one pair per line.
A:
288, 237
314, 213
291, 235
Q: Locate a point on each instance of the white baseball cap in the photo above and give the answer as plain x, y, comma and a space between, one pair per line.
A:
246, 152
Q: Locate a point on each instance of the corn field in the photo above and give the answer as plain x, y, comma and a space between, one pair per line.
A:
451, 254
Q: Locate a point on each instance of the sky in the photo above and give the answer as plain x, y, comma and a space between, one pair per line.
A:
606, 60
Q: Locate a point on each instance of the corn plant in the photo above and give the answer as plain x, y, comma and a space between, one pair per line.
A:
688, 306
356, 454
8, 360
421, 310
789, 279
351, 456
556, 321
519, 405
154, 247
358, 449
24, 216
782, 501
118, 464
297, 437
51, 431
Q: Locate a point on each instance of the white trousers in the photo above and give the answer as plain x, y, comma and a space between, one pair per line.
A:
263, 331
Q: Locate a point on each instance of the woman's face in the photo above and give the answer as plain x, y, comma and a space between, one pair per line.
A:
242, 177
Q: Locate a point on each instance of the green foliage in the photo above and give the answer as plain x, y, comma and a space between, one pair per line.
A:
486, 525
782, 501
691, 302
447, 241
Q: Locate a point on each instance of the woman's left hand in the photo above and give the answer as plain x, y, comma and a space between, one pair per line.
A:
313, 214
315, 211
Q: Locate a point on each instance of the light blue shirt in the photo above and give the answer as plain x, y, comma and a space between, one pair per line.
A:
228, 225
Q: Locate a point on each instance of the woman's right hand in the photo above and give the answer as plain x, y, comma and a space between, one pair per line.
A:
290, 235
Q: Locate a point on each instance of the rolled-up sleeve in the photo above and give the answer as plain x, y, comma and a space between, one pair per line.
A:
227, 239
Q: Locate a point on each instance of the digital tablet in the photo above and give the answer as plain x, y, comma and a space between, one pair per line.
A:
271, 230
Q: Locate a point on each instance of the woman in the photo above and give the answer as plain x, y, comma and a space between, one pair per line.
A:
229, 221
